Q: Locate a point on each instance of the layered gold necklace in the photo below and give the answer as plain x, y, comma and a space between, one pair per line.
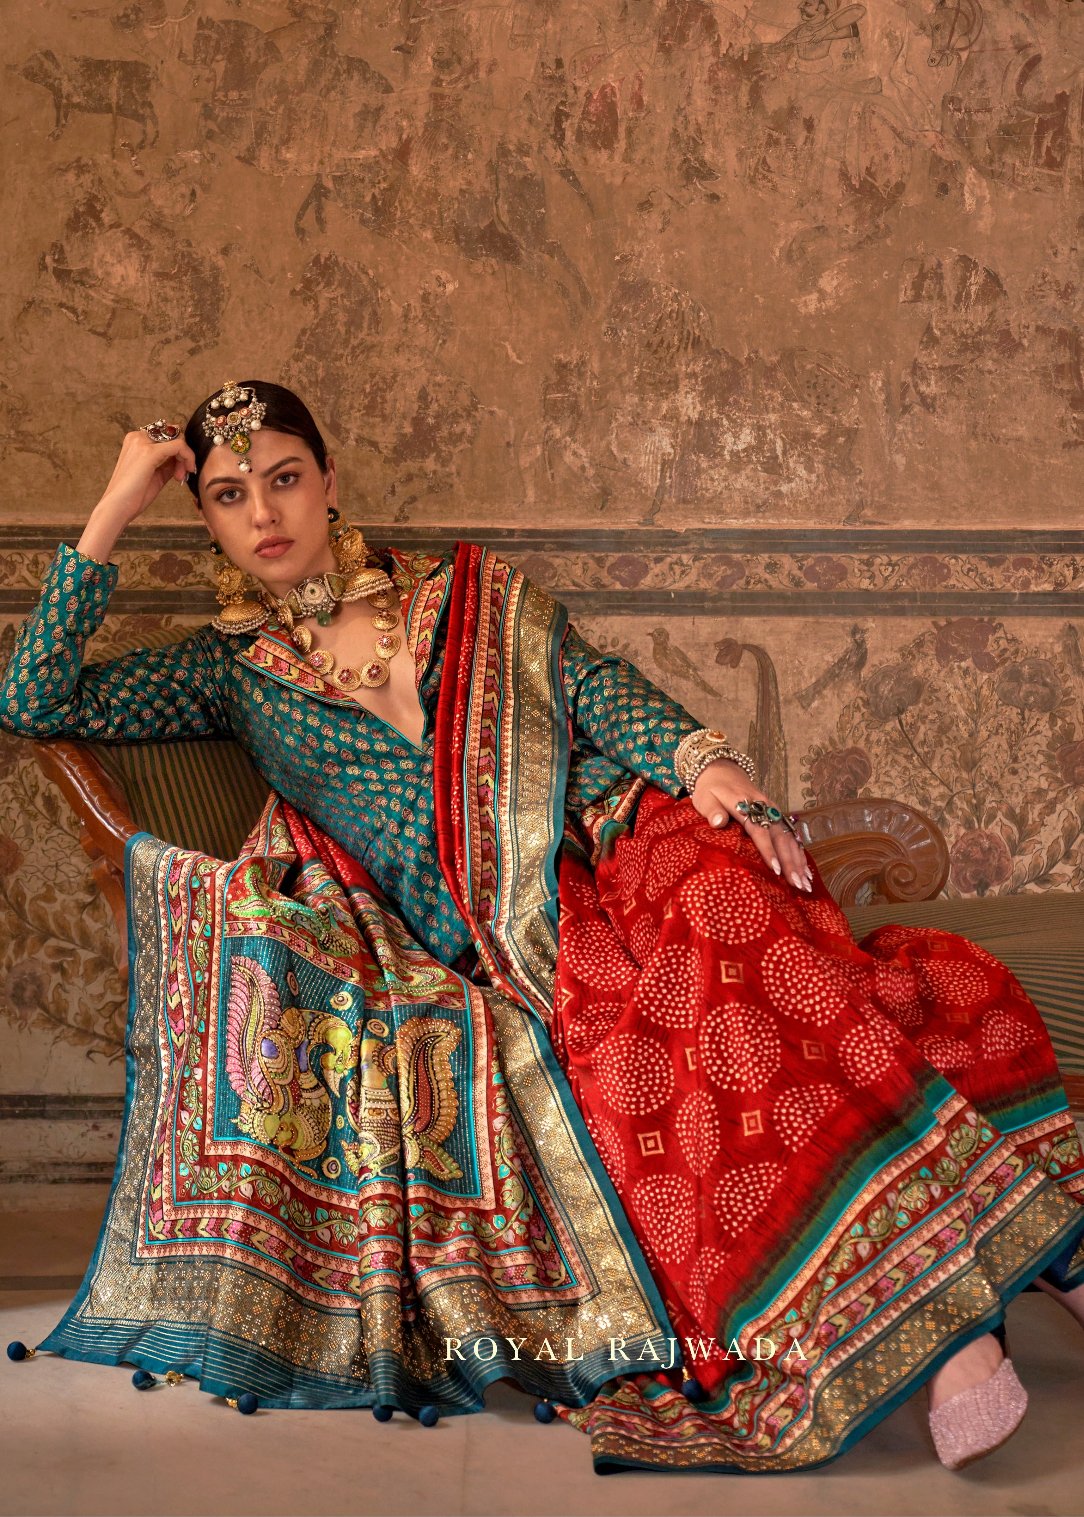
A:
319, 596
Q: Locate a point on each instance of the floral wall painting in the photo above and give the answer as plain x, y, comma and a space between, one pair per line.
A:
983, 730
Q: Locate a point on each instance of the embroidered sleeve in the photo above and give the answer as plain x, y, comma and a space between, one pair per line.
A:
147, 695
621, 713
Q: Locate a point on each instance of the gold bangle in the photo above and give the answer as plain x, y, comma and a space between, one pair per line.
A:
703, 747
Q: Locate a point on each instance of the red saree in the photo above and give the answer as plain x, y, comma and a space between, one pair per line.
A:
841, 1161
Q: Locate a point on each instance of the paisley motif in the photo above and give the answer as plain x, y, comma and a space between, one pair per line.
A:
430, 1104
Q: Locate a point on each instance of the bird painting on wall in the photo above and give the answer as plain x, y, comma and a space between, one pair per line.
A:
671, 660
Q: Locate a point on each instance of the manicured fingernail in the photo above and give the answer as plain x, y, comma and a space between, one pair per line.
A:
809, 886
717, 821
797, 880
776, 866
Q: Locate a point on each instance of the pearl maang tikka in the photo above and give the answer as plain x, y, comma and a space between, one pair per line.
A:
244, 414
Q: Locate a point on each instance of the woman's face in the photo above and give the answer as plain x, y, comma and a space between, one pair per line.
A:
283, 500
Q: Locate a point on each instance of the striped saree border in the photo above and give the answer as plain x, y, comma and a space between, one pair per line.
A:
501, 752
970, 1264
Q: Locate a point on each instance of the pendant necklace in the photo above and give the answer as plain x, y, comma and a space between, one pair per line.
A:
320, 596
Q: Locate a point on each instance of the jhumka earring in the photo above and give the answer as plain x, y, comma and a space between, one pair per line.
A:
240, 611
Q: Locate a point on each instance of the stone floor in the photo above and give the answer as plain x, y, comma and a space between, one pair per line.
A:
76, 1438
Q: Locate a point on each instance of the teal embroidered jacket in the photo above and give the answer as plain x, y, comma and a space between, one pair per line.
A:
356, 776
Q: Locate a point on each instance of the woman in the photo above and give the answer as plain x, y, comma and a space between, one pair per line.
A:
840, 1162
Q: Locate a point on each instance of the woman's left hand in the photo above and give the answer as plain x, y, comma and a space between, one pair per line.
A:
717, 793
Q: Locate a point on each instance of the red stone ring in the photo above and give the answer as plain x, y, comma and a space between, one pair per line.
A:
791, 824
161, 430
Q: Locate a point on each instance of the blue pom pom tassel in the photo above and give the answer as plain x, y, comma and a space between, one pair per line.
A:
428, 1416
143, 1380
544, 1412
247, 1403
692, 1390
18, 1351
383, 1413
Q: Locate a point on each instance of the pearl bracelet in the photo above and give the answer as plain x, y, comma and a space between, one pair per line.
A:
703, 747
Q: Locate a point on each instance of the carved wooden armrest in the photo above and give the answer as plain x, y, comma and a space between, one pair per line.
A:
874, 850
105, 822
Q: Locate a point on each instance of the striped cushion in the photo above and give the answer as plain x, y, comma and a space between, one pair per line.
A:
203, 794
1041, 939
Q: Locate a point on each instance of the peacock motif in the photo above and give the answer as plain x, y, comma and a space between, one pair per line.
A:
284, 1090
403, 1099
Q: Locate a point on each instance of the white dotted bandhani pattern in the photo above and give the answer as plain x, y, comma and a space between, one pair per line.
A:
631, 864
947, 1055
596, 958
800, 1111
800, 982
983, 955
669, 862
725, 905
743, 1193
889, 939
956, 981
671, 989
898, 992
634, 1073
596, 1019
666, 1206
666, 821
1003, 1033
698, 1131
825, 916
709, 1261
739, 1046
611, 1152
585, 895
643, 939
866, 1054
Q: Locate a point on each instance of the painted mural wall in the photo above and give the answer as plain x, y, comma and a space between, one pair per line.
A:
754, 333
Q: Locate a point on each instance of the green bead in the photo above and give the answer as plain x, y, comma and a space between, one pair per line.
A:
324, 618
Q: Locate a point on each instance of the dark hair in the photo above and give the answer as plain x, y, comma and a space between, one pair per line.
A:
286, 412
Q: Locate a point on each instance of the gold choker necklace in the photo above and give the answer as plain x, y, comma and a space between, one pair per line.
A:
320, 595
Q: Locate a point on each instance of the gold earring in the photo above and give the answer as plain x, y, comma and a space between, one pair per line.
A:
240, 612
350, 551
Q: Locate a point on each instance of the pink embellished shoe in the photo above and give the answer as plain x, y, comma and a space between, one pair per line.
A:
979, 1419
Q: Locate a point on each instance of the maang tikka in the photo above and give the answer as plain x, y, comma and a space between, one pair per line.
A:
243, 414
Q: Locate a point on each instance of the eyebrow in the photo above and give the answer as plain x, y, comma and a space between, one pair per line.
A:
232, 479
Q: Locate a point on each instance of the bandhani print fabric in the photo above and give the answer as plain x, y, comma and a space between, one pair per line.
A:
346, 1176
841, 1160
676, 1110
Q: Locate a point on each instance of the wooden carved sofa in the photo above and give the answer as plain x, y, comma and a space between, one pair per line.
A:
883, 861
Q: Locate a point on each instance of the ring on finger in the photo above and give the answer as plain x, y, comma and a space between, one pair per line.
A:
161, 430
761, 812
791, 824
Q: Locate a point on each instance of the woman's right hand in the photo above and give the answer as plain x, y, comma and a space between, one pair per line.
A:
142, 471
